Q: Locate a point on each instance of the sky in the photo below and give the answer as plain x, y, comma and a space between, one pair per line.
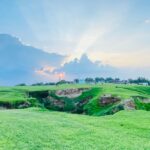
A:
108, 30
115, 32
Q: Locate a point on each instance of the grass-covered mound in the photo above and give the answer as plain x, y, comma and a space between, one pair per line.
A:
86, 102
36, 129
20, 93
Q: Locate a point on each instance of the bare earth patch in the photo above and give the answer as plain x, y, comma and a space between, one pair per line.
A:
71, 93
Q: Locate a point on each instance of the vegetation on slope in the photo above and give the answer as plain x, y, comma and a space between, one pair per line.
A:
38, 128
41, 129
88, 102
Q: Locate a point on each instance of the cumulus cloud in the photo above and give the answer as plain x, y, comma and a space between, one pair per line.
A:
22, 63
49, 73
84, 67
45, 69
78, 68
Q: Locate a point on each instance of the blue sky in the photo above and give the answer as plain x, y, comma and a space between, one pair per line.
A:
104, 29
116, 32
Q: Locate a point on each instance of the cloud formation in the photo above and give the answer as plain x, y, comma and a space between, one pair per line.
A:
25, 64
21, 63
84, 67
147, 21
49, 73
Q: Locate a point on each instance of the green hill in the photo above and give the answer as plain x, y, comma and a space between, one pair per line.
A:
36, 129
82, 99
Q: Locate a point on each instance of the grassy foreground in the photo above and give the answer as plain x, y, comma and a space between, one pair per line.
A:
38, 129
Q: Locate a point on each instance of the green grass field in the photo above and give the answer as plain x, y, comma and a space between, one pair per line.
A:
125, 91
16, 95
36, 129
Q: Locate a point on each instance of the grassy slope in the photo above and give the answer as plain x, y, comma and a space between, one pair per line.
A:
36, 129
125, 91
18, 94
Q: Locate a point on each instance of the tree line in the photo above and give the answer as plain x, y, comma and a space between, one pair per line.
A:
139, 80
96, 80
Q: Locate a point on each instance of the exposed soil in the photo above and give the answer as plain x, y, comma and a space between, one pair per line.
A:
108, 99
71, 93
62, 100
129, 104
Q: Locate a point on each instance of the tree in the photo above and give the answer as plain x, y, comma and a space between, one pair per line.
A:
139, 80
89, 80
109, 80
21, 84
49, 83
99, 79
116, 80
76, 80
62, 82
38, 84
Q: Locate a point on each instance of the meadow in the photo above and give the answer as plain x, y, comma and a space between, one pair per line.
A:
13, 96
37, 128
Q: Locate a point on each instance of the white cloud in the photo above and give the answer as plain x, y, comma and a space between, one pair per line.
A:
147, 21
22, 62
84, 67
